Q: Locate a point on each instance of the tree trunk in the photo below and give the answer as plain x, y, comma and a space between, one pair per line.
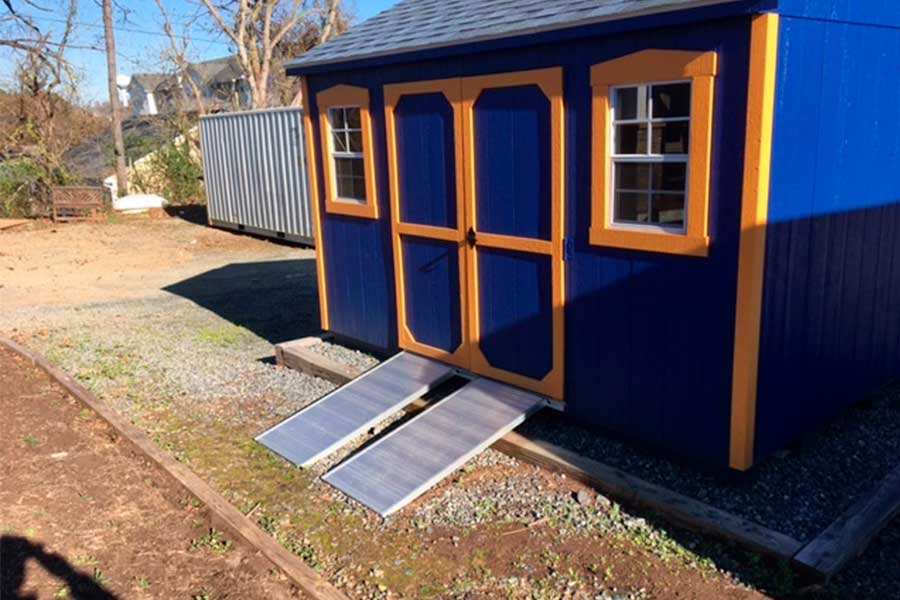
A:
121, 176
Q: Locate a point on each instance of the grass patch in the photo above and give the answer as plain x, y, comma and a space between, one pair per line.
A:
224, 335
212, 541
32, 441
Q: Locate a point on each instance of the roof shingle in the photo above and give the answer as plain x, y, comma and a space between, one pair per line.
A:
419, 24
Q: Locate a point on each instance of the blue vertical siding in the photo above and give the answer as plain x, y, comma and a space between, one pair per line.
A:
872, 12
649, 337
831, 329
359, 270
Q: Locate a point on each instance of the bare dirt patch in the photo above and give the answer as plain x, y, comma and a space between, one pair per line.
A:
83, 516
52, 264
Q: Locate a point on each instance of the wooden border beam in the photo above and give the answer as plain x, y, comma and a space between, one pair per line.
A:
231, 518
853, 531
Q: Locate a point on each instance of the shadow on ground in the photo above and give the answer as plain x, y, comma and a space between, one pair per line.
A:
192, 213
16, 552
276, 300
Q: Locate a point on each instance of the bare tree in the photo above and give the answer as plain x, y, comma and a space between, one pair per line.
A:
115, 108
178, 55
21, 34
259, 28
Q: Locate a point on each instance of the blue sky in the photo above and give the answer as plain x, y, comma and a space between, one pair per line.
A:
140, 39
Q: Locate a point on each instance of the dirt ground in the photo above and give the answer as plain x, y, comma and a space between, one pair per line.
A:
52, 264
83, 516
172, 324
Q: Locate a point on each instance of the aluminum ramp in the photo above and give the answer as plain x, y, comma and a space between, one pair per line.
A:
399, 467
329, 423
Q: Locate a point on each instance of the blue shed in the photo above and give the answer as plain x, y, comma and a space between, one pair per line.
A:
677, 219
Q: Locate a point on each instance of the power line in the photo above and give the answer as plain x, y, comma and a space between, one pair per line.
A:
132, 30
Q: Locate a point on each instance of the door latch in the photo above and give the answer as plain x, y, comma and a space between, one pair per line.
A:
471, 238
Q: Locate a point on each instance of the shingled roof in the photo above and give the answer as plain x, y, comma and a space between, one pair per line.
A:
423, 24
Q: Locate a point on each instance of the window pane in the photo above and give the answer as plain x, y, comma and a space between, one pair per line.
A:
355, 141
630, 208
668, 209
626, 103
359, 168
349, 167
631, 139
336, 116
632, 176
339, 141
343, 167
359, 188
671, 100
671, 177
671, 138
345, 187
353, 120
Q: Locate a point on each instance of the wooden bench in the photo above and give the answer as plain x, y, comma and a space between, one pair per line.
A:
76, 203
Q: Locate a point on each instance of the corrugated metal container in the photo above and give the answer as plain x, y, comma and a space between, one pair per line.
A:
254, 164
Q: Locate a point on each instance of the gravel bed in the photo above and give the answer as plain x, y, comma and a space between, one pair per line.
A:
798, 493
344, 355
178, 352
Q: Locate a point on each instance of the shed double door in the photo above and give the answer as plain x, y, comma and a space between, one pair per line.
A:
477, 216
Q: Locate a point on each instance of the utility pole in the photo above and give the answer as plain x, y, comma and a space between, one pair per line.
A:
121, 177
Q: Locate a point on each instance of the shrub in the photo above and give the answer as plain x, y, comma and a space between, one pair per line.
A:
25, 186
172, 172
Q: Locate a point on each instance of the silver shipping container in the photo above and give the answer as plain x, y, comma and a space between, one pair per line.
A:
254, 166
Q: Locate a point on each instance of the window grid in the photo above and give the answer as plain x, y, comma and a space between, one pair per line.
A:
645, 96
347, 155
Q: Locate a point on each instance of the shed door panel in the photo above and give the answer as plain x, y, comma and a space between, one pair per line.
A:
426, 160
512, 158
514, 215
426, 187
476, 206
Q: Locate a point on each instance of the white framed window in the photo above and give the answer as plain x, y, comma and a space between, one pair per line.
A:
347, 153
650, 155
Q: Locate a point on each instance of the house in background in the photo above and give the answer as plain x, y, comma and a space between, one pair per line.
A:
140, 93
221, 82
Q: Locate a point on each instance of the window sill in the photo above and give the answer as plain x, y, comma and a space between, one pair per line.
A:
352, 209
650, 241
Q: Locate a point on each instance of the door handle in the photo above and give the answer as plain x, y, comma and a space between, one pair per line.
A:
471, 238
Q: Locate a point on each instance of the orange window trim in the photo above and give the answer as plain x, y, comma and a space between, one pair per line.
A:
314, 200
752, 252
647, 67
345, 95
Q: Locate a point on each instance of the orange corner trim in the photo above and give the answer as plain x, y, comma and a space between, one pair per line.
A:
752, 253
314, 199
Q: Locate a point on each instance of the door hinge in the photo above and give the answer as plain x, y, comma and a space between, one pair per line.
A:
568, 248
